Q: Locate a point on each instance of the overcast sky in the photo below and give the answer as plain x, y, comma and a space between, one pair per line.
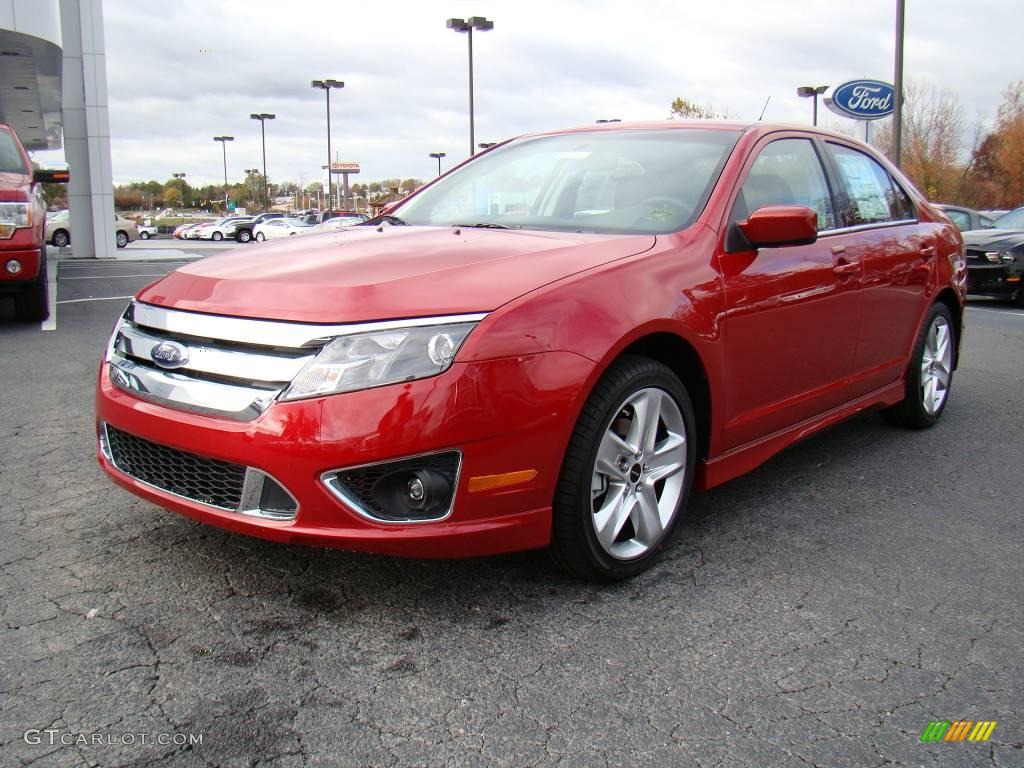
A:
547, 64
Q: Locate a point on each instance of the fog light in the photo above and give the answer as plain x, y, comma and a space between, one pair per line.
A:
416, 492
13, 266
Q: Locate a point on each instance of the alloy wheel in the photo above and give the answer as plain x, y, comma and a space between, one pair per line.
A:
936, 365
639, 473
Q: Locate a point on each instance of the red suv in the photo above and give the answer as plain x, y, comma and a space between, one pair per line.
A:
549, 346
22, 224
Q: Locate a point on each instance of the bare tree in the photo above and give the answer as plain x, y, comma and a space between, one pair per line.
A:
933, 134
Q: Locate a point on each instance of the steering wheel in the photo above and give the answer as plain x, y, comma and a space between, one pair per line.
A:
657, 204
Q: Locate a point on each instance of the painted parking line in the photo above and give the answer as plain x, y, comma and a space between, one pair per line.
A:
52, 265
96, 298
997, 311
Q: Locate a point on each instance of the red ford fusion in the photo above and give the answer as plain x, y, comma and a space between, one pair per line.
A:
550, 346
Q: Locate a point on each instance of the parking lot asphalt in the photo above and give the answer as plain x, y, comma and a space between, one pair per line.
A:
819, 611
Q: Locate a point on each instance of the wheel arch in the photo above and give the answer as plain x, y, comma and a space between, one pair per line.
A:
682, 358
948, 297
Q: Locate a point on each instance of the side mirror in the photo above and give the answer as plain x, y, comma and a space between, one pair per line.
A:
40, 176
775, 225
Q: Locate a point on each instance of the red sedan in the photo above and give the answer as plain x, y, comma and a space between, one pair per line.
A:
550, 346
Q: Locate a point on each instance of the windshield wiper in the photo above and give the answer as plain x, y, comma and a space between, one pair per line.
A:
484, 225
385, 218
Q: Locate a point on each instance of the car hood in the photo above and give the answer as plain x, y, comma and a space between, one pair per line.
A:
385, 273
993, 239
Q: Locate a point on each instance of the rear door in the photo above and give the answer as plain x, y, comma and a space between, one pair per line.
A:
792, 313
897, 256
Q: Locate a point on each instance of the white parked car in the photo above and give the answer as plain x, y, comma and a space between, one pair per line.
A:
146, 231
278, 228
339, 222
222, 229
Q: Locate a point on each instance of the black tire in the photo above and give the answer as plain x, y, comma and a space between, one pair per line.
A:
911, 412
121, 238
33, 302
574, 543
144, 235
244, 236
217, 236
260, 237
61, 238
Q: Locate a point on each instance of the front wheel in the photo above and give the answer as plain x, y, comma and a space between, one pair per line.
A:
929, 374
627, 472
144, 235
122, 239
61, 239
260, 237
244, 236
217, 236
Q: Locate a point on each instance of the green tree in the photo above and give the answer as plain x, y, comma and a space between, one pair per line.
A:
691, 110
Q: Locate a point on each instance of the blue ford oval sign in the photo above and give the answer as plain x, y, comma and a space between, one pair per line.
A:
169, 354
863, 99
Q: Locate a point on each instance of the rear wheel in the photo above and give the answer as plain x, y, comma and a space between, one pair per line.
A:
217, 236
929, 375
260, 237
244, 236
627, 473
61, 239
122, 238
32, 303
144, 235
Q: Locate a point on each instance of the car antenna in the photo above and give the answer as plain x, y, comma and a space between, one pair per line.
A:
764, 108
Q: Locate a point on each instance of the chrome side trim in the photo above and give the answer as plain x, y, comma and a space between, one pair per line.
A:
174, 390
252, 488
335, 487
864, 227
271, 333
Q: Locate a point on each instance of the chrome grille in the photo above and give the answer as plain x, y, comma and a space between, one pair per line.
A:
208, 481
224, 366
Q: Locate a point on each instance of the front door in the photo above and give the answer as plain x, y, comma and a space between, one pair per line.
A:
792, 313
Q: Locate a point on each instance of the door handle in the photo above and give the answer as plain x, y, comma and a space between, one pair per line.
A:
844, 267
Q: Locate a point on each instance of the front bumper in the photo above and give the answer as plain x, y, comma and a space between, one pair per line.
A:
504, 416
995, 279
30, 259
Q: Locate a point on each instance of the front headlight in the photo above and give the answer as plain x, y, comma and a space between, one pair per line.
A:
364, 360
14, 216
999, 257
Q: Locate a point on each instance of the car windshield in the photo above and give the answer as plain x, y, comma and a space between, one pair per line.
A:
11, 160
1012, 220
626, 181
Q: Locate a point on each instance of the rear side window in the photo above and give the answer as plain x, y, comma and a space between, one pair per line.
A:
11, 160
788, 172
960, 218
870, 194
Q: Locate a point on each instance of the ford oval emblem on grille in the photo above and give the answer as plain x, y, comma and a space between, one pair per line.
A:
169, 354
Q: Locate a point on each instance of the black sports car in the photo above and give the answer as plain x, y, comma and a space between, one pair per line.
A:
995, 258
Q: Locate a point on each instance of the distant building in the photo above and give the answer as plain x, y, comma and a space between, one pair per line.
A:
377, 205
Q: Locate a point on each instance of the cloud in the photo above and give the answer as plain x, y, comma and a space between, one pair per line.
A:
181, 73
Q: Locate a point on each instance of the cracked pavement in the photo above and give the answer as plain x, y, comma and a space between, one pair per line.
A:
819, 611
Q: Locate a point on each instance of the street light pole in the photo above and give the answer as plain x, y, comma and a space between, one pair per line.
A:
263, 117
224, 144
181, 187
326, 86
897, 111
480, 24
438, 155
812, 91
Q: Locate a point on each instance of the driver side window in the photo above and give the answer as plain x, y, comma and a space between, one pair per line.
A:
787, 172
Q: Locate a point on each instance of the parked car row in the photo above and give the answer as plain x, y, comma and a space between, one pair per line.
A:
267, 226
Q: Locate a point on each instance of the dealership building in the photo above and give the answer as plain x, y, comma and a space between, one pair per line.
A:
53, 93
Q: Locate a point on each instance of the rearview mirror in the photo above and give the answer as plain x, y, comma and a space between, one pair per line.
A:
40, 176
776, 225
